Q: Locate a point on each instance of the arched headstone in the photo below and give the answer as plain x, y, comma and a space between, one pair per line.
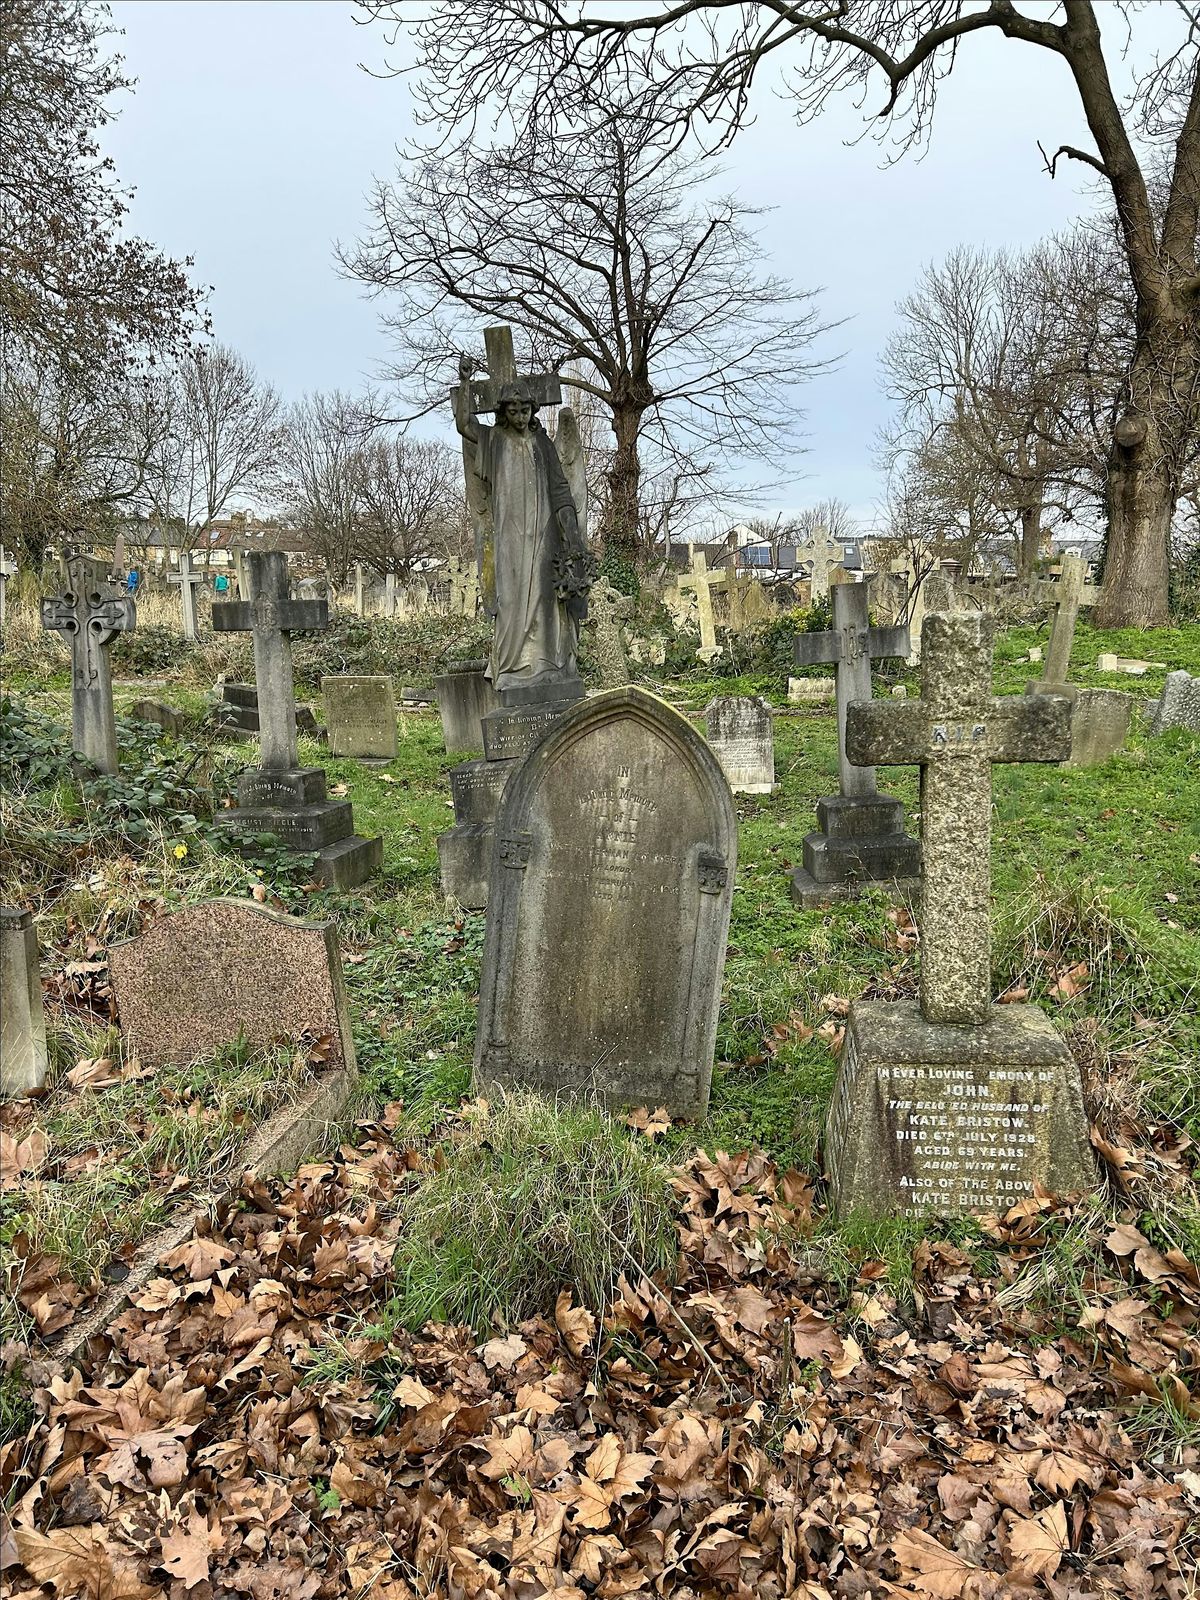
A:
612, 880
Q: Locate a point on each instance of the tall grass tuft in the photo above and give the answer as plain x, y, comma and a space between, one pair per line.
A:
533, 1196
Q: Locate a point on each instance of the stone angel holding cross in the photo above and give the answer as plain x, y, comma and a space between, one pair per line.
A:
534, 567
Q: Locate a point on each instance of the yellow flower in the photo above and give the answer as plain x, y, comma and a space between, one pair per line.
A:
180, 851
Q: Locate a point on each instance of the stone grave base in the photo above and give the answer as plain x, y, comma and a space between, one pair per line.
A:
293, 806
237, 714
465, 860
464, 698
947, 1118
860, 844
1100, 720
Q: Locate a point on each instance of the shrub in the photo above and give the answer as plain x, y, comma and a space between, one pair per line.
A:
151, 648
414, 650
532, 1196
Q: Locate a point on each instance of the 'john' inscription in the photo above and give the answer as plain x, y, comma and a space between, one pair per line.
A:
604, 948
951, 1136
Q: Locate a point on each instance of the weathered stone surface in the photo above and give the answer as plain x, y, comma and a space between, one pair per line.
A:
608, 610
741, 731
360, 714
612, 879
810, 691
22, 1020
89, 613
203, 976
954, 733
167, 717
1069, 593
309, 827
511, 734
476, 787
1129, 665
1179, 706
930, 1117
1099, 725
301, 786
464, 697
465, 863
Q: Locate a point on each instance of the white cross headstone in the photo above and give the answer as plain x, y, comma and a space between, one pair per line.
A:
187, 579
701, 582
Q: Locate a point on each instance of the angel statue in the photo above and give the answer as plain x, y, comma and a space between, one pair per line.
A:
535, 570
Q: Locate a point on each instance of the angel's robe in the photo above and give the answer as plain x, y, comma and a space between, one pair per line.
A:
523, 480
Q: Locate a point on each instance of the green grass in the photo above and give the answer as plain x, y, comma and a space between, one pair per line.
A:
1096, 866
529, 1197
114, 1153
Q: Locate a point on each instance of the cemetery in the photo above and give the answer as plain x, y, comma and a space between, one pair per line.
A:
560, 1065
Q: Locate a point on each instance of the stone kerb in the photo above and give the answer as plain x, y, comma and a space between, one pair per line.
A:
615, 849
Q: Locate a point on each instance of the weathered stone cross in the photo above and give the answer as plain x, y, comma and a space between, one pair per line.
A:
8, 568
702, 582
954, 733
1069, 593
852, 645
822, 553
272, 617
188, 580
89, 614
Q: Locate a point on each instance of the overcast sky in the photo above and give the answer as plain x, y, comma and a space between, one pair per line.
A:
252, 136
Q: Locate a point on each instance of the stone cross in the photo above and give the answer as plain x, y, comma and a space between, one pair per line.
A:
851, 646
1068, 594
701, 581
187, 580
8, 568
822, 553
954, 733
89, 614
608, 608
272, 617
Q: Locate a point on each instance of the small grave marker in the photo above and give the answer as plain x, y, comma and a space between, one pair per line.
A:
360, 714
741, 731
211, 973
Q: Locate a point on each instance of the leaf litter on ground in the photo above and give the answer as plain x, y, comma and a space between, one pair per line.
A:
253, 1425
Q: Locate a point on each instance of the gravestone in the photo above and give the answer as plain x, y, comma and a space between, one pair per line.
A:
701, 582
608, 608
955, 1104
464, 697
360, 714
237, 713
1068, 594
280, 796
749, 609
1179, 704
166, 717
1131, 666
23, 1055
89, 613
8, 569
1100, 721
188, 580
740, 730
811, 691
821, 555
860, 839
612, 881
202, 977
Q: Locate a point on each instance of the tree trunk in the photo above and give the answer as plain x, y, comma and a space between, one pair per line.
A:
1031, 539
619, 530
1145, 463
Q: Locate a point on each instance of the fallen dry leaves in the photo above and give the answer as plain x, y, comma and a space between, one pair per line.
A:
246, 1430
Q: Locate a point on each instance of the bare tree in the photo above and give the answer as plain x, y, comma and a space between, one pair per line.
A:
234, 432
605, 258
322, 457
410, 497
1008, 366
72, 460
831, 516
75, 293
693, 64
